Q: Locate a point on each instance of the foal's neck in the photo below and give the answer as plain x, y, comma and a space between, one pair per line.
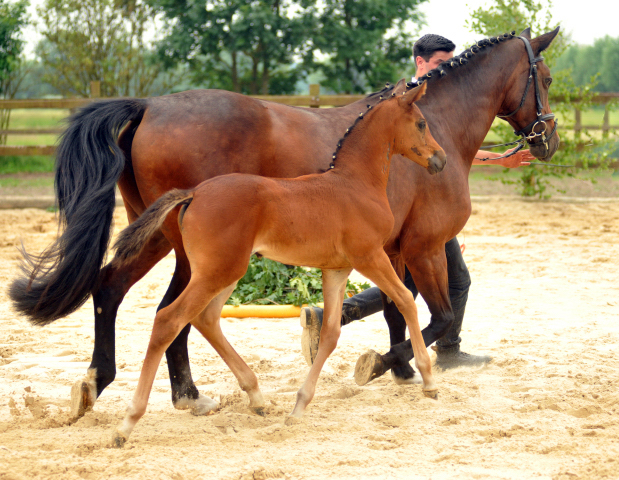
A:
366, 151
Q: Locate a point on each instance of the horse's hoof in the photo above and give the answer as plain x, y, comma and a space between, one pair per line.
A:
431, 393
258, 411
83, 396
204, 406
118, 440
311, 321
414, 380
368, 367
292, 420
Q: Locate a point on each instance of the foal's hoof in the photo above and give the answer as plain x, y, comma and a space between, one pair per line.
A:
292, 420
118, 440
83, 396
204, 406
258, 411
368, 367
431, 393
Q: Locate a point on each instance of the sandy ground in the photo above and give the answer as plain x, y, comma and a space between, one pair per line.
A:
544, 303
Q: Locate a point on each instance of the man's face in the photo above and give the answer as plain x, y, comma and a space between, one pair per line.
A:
436, 59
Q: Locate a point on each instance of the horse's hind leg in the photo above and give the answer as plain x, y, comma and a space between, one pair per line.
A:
333, 287
208, 323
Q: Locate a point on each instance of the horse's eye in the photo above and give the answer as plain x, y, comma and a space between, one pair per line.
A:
548, 81
421, 125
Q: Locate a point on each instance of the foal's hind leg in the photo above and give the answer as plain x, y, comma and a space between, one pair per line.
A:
333, 287
168, 323
116, 280
208, 323
185, 394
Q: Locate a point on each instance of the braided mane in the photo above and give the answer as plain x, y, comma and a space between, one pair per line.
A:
464, 57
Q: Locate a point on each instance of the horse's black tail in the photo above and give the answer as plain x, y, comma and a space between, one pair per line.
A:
133, 238
88, 164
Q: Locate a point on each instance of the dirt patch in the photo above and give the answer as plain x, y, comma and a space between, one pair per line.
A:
543, 303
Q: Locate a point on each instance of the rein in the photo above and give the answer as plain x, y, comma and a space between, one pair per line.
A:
528, 134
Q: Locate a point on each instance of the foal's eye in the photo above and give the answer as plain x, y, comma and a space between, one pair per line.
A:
548, 81
421, 125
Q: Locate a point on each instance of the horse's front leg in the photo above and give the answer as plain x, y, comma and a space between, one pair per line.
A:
334, 288
115, 282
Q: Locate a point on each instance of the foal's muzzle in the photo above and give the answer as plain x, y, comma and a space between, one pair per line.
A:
436, 162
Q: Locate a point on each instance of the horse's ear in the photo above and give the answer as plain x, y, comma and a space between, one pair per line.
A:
526, 33
542, 42
400, 87
413, 95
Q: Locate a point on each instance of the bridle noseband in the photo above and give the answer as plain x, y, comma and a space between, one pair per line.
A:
537, 128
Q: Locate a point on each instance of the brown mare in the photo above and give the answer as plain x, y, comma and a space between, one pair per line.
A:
177, 141
335, 221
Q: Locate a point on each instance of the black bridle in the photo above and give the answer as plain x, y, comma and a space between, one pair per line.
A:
537, 128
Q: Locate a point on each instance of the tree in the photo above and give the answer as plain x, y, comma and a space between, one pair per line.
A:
599, 61
247, 46
577, 151
97, 40
12, 20
365, 42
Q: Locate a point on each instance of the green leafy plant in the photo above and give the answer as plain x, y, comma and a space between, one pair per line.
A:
271, 283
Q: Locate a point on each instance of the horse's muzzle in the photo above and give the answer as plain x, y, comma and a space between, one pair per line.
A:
545, 150
436, 162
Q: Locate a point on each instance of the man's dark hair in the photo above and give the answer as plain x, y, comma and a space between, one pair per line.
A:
427, 45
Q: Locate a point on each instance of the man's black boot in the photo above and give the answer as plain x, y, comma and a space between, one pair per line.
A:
452, 357
311, 321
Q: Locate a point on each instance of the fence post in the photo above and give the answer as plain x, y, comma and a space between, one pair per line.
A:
95, 89
577, 122
606, 124
314, 91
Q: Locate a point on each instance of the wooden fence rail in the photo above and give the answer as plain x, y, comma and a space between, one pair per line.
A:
314, 100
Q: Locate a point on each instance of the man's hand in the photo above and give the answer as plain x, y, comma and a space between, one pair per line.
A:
519, 159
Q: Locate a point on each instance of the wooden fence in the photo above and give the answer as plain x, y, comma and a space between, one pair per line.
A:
314, 100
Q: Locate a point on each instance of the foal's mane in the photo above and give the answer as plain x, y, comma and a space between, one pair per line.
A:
439, 72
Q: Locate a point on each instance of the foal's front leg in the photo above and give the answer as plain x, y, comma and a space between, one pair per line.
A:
379, 270
334, 288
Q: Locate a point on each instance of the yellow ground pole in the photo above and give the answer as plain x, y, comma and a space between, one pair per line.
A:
262, 311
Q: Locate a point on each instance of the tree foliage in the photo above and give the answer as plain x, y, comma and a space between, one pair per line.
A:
97, 40
578, 151
600, 61
365, 42
12, 19
246, 46
258, 46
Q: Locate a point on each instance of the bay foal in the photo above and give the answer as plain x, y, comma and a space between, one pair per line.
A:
335, 221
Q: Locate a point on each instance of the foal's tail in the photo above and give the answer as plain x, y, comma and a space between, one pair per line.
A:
88, 164
133, 238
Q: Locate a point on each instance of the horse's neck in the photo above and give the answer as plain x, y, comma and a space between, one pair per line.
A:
366, 152
458, 115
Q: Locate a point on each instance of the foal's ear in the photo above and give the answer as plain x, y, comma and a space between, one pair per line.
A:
400, 87
413, 95
526, 33
542, 42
